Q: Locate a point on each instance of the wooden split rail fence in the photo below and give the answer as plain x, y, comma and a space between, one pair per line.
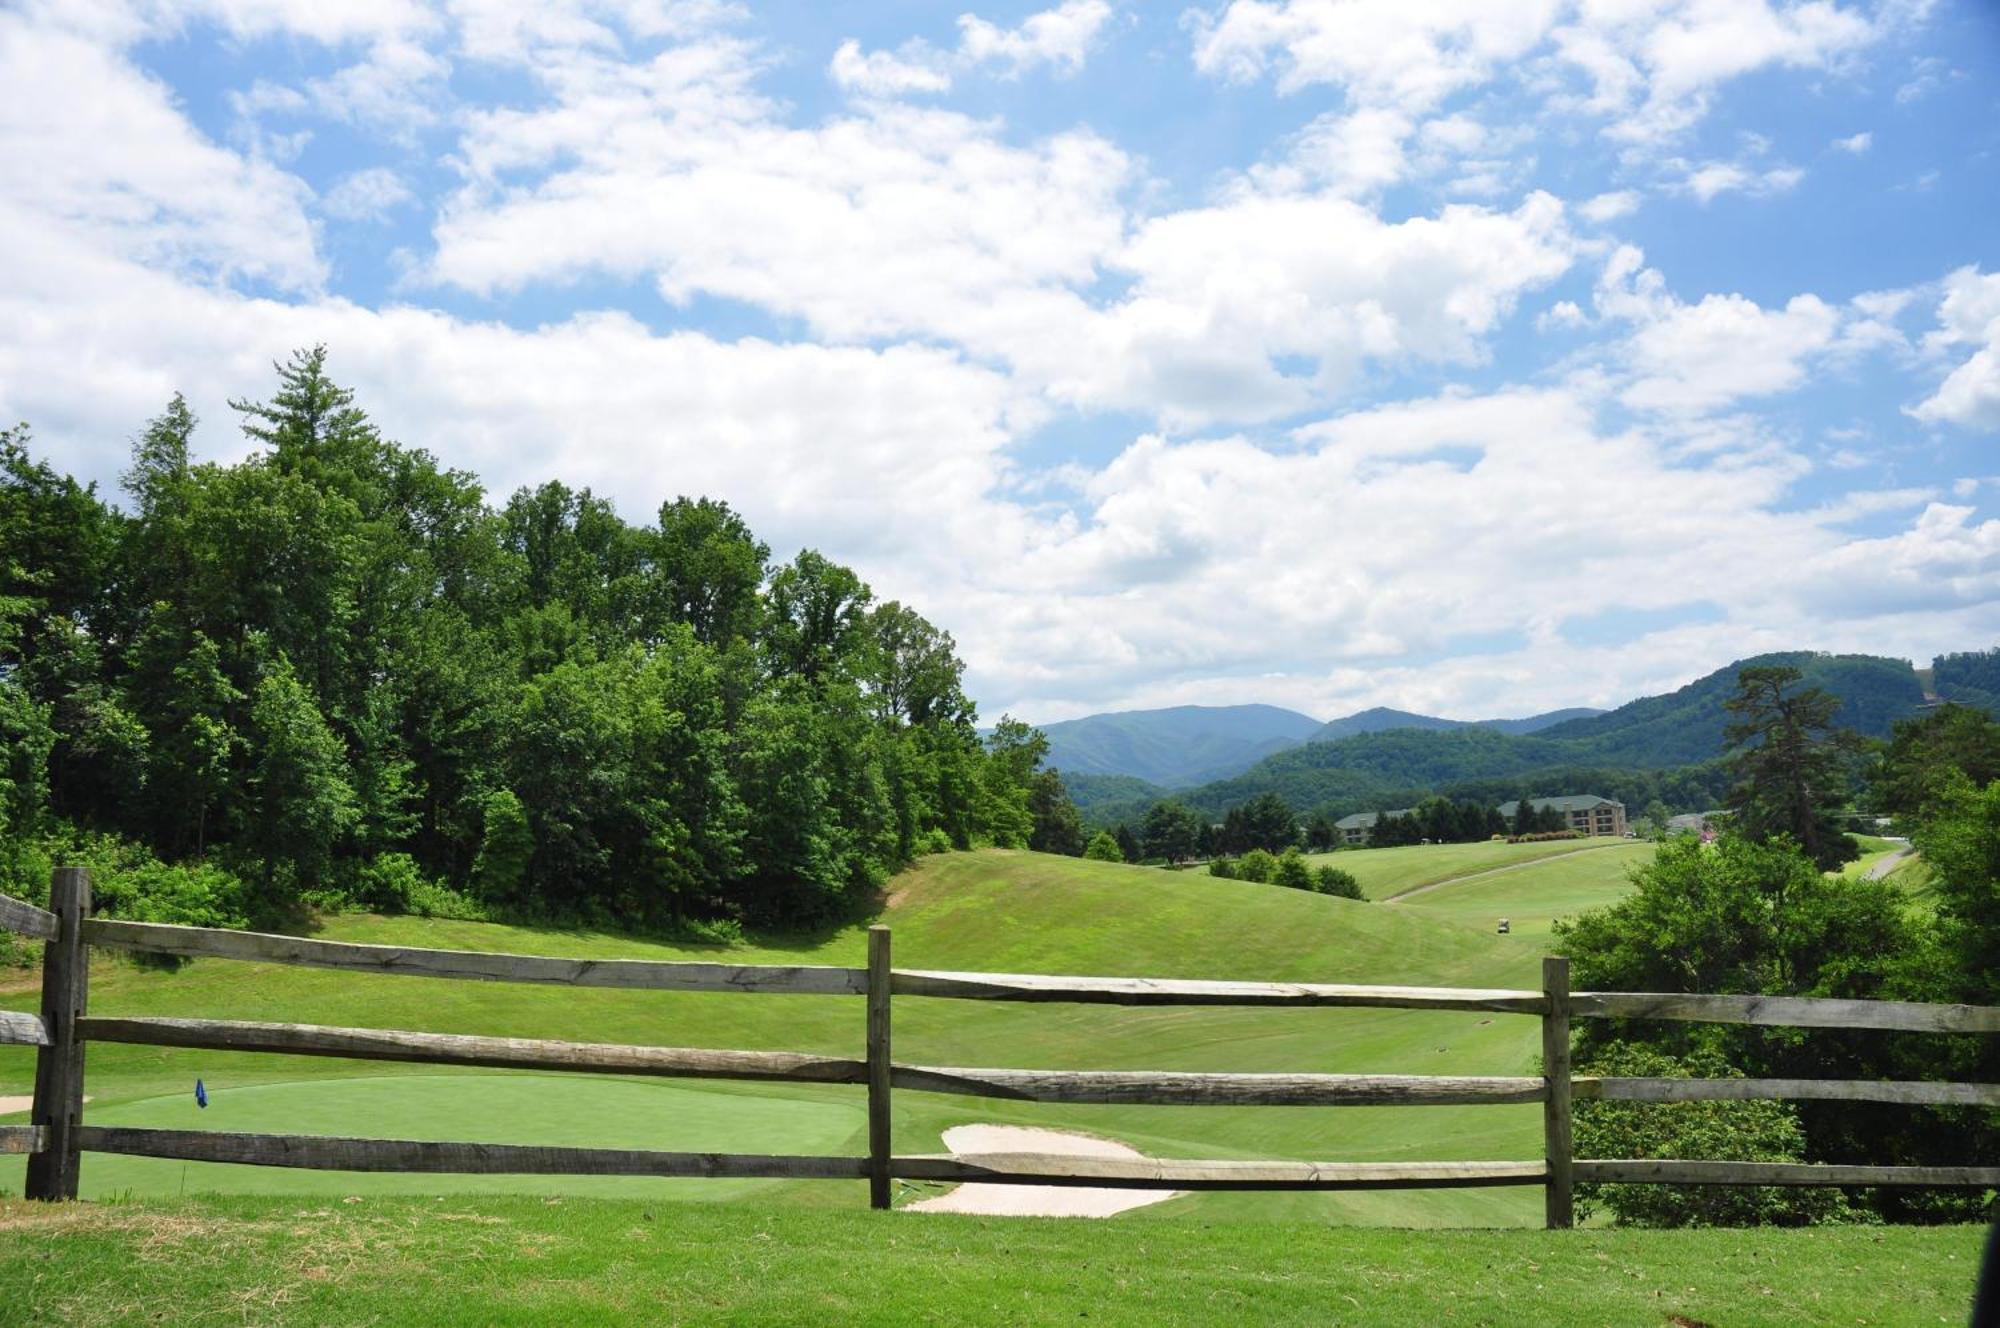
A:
57, 1135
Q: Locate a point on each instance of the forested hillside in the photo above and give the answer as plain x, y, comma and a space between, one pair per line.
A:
336, 671
1656, 748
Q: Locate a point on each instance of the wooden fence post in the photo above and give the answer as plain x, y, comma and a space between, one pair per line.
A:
1556, 1134
878, 1067
58, 1109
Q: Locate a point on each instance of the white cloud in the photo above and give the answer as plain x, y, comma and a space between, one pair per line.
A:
1712, 178
1395, 532
1060, 38
366, 195
1690, 359
895, 221
882, 74
94, 143
1611, 206
1651, 67
1969, 315
1855, 143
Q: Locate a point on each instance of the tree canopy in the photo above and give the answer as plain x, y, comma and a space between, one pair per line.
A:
334, 671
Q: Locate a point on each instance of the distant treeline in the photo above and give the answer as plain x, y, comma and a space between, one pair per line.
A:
335, 672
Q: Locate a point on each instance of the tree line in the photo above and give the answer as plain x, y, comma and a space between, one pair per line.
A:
335, 672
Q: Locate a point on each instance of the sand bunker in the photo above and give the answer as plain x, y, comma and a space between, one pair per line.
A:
1036, 1200
25, 1102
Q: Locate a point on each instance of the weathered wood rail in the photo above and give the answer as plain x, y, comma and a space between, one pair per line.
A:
56, 1136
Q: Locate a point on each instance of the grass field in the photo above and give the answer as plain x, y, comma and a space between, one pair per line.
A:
993, 910
472, 1260
1387, 872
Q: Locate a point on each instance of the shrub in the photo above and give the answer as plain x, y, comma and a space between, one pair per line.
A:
1256, 865
430, 899
1336, 881
1697, 1131
1224, 868
1291, 871
1103, 847
1543, 836
934, 840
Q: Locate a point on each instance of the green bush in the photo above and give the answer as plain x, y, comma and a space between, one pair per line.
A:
1256, 865
1291, 871
1337, 881
1103, 847
1224, 868
934, 840
1694, 1131
429, 899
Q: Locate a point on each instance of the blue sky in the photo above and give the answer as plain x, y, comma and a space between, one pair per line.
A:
1461, 357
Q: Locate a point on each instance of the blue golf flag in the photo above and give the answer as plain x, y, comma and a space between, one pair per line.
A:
200, 1094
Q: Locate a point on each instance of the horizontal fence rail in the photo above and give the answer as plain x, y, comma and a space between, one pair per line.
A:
1914, 1093
1644, 1171
22, 1030
22, 1138
320, 1152
56, 1136
1163, 1088
18, 916
1788, 1011
376, 1044
1181, 991
477, 965
1147, 1173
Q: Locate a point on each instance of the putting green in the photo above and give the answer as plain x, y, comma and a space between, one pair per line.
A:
486, 1108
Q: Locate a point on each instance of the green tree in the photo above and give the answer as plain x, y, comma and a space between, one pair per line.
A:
1058, 824
301, 803
1171, 830
1789, 763
1103, 847
1927, 755
707, 569
1292, 871
506, 848
815, 619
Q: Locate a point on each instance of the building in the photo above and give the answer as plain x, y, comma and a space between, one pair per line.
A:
1354, 829
1585, 812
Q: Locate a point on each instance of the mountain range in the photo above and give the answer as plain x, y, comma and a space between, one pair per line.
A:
1664, 746
1182, 746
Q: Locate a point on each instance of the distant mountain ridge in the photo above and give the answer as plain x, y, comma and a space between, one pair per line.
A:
1176, 746
1382, 719
1183, 746
1383, 757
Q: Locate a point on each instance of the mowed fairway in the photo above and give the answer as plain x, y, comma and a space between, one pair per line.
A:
996, 911
1387, 872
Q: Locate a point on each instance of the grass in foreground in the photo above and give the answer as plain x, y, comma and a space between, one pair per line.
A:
464, 1260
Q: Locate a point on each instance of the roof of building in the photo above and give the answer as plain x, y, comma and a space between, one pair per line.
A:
1364, 820
1569, 802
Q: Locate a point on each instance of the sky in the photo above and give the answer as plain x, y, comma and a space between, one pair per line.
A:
1470, 358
